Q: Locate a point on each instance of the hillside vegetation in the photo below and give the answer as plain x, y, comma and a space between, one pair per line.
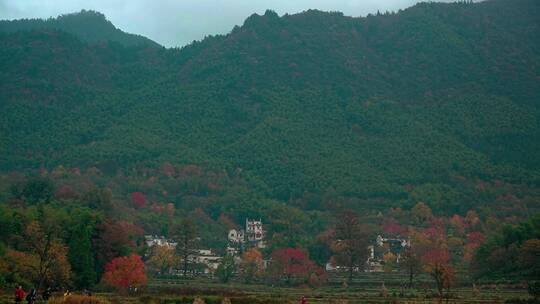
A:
421, 125
392, 109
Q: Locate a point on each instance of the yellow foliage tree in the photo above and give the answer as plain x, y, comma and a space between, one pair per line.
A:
421, 213
162, 258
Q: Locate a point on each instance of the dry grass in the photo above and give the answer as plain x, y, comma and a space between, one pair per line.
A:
198, 301
226, 301
79, 299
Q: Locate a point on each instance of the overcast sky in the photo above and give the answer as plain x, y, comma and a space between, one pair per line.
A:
178, 22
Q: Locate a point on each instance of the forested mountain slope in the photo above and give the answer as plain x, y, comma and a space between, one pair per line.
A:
403, 107
89, 26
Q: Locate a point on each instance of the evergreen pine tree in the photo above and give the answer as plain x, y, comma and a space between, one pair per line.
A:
80, 254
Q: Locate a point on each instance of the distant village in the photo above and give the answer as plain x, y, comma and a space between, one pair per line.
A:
253, 236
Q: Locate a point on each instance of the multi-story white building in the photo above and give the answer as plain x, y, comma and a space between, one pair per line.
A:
252, 236
255, 234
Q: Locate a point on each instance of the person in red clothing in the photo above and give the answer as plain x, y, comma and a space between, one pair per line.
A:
20, 295
303, 300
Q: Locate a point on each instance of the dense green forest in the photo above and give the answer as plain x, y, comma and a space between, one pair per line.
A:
367, 107
290, 119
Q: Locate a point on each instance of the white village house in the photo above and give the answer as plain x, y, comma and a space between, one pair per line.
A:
201, 257
207, 258
154, 240
252, 236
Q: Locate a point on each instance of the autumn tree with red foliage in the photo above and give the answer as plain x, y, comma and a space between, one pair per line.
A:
115, 239
65, 192
124, 272
474, 240
395, 229
293, 266
138, 199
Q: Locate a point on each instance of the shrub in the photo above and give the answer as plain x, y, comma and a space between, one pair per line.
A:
534, 289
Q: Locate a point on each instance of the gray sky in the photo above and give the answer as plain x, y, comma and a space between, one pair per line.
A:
178, 22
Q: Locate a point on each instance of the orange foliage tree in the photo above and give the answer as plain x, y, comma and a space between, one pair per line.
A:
56, 270
389, 261
430, 248
458, 224
437, 265
124, 272
251, 265
45, 260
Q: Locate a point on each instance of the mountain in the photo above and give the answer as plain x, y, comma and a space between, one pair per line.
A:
388, 109
88, 26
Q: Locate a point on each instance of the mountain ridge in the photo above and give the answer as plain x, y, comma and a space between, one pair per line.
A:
89, 26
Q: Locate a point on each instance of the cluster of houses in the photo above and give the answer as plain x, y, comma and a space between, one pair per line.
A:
154, 240
381, 247
253, 236
207, 261
375, 261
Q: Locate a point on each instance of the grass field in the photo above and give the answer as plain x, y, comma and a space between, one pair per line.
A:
293, 296
366, 288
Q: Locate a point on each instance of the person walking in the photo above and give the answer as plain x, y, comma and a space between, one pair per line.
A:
303, 300
31, 297
46, 295
20, 295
